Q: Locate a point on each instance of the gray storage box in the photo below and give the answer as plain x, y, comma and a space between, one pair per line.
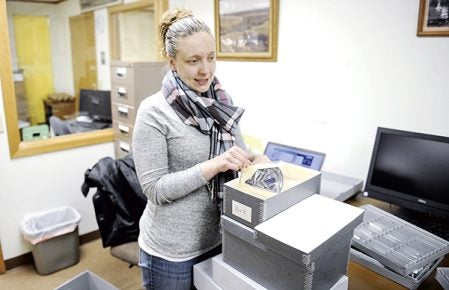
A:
411, 281
86, 281
325, 221
251, 205
274, 271
395, 243
304, 247
215, 274
56, 253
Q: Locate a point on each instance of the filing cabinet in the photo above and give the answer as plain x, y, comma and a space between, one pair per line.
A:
131, 82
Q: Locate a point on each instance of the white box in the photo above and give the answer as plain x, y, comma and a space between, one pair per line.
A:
86, 281
202, 276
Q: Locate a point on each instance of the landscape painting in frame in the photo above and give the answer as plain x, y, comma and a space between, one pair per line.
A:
246, 29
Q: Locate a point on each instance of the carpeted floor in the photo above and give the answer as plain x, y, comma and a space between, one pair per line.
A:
93, 257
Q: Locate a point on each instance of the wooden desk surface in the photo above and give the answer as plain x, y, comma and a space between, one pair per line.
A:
361, 277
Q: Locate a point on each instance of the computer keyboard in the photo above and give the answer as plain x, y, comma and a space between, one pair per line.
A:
95, 125
438, 227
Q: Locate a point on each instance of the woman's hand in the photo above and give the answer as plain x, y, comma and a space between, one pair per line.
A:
235, 158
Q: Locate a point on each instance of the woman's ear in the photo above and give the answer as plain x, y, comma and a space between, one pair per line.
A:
172, 64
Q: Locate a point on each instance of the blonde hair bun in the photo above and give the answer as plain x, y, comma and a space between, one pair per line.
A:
168, 18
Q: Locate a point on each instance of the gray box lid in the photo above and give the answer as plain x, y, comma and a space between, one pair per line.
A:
310, 228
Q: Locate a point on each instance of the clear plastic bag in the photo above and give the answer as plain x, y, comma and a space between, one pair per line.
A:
42, 226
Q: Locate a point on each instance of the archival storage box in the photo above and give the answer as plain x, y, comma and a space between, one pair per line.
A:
252, 205
229, 278
304, 247
215, 274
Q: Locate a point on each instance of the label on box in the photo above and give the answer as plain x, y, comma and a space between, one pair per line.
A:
242, 211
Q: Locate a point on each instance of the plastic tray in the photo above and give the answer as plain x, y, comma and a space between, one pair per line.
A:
442, 277
397, 244
411, 281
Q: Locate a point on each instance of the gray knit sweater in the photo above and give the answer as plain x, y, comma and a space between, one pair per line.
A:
180, 219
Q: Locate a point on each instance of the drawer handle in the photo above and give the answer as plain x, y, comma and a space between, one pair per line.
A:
124, 147
121, 72
121, 91
123, 111
123, 129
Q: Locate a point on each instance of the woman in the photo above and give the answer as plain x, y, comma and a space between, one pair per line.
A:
186, 144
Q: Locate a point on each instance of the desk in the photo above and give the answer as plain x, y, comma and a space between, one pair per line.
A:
78, 127
71, 126
361, 277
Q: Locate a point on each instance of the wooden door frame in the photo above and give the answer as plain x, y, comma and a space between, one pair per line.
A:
2, 262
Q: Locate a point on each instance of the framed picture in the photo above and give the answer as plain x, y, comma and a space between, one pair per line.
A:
246, 29
433, 18
89, 5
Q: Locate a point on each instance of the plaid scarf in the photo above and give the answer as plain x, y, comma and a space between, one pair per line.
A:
212, 114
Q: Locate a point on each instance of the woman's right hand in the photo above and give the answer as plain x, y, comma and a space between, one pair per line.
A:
235, 158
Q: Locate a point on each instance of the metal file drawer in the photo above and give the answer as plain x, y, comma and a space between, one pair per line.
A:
123, 131
145, 75
123, 93
122, 72
123, 113
121, 148
131, 82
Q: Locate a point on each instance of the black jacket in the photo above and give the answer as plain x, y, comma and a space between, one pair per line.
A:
118, 201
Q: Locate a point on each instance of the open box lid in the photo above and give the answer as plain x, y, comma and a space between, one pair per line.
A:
309, 228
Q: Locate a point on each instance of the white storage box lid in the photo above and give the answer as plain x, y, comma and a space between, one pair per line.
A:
309, 228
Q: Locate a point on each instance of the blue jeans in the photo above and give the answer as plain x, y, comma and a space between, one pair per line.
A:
160, 274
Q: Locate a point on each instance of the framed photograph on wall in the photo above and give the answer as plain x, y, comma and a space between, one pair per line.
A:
433, 18
246, 29
89, 5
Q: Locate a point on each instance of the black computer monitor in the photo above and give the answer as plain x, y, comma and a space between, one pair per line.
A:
96, 104
410, 170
